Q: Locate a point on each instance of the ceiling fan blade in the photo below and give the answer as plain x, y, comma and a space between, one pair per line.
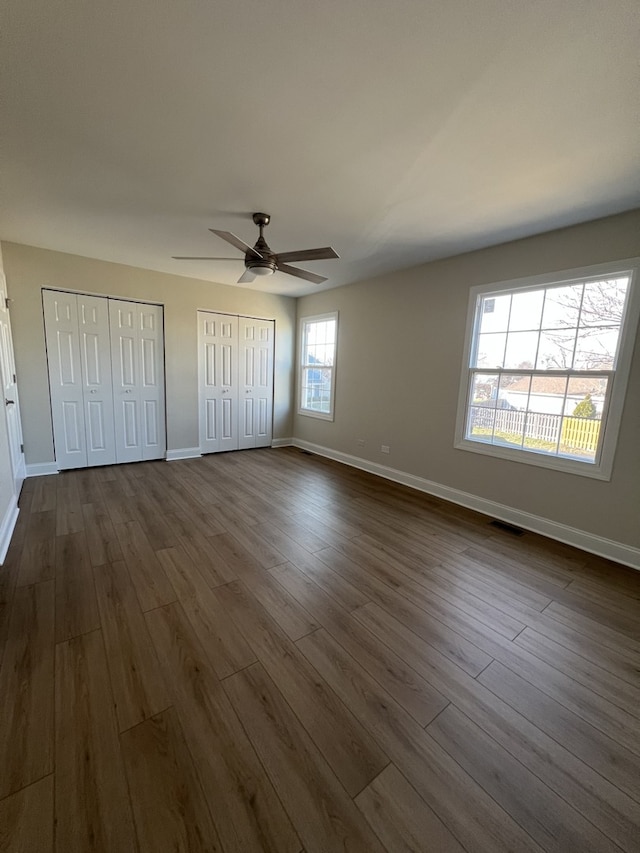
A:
236, 241
309, 255
198, 258
247, 275
308, 276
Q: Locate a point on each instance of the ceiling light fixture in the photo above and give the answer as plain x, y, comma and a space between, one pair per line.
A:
258, 270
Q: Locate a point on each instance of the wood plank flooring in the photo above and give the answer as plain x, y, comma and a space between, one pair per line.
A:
268, 651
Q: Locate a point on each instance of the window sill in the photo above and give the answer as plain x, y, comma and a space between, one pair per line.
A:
538, 460
321, 416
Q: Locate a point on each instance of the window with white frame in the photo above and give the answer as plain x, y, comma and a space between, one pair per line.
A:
546, 366
318, 338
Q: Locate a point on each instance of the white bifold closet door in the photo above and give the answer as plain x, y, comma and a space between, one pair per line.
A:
78, 351
138, 380
85, 357
255, 387
235, 368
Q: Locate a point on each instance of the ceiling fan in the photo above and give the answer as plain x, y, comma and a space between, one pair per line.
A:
260, 260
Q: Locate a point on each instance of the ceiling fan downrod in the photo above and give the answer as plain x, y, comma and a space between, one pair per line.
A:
267, 264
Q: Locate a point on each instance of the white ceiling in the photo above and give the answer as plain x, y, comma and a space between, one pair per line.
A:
397, 131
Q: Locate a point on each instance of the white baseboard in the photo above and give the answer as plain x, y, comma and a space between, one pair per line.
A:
282, 442
6, 527
183, 453
39, 469
617, 551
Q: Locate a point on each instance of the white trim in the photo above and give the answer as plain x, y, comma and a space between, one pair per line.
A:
617, 551
7, 526
602, 469
183, 453
39, 469
21, 472
282, 442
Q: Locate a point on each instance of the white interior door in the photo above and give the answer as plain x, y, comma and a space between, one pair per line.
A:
11, 401
125, 366
65, 378
218, 381
255, 350
152, 409
97, 391
137, 347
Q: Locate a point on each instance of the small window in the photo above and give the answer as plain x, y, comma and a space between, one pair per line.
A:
318, 336
546, 364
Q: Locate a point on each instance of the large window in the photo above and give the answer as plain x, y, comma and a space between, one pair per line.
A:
546, 364
318, 336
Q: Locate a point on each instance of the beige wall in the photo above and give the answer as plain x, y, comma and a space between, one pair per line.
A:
398, 373
29, 269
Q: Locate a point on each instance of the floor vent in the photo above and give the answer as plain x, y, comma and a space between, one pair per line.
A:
507, 528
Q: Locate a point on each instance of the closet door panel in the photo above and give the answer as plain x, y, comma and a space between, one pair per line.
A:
125, 371
218, 381
151, 349
256, 383
72, 429
65, 378
263, 420
95, 357
247, 423
227, 433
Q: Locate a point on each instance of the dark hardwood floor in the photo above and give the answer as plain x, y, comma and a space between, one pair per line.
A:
269, 651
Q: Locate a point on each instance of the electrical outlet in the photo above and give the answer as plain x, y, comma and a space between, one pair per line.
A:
385, 448
360, 442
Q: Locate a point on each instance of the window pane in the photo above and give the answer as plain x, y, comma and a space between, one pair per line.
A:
494, 313
555, 351
585, 396
521, 350
542, 432
316, 389
603, 302
513, 392
596, 348
508, 427
547, 394
526, 310
480, 423
562, 307
490, 350
319, 354
510, 419
583, 414
484, 389
483, 395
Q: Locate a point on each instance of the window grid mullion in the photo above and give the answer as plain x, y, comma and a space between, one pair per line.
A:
575, 339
